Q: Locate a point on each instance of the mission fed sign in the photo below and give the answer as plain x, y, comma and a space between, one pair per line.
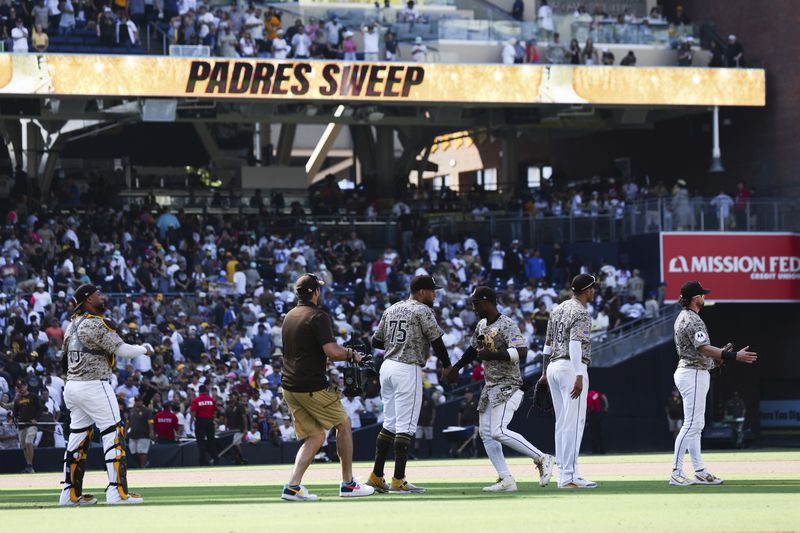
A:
737, 267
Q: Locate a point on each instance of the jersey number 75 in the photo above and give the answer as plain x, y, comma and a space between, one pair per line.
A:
397, 331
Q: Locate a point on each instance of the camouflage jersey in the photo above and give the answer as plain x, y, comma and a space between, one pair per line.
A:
569, 321
407, 329
691, 334
89, 345
503, 378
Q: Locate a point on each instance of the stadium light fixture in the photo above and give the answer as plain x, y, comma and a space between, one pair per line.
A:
716, 153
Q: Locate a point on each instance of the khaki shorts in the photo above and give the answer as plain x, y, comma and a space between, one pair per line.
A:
27, 436
139, 446
315, 412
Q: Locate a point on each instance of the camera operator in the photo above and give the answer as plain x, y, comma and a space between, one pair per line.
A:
307, 344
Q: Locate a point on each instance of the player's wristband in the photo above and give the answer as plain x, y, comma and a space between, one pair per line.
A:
548, 349
728, 355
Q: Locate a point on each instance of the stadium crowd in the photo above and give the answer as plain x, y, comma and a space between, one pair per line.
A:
209, 293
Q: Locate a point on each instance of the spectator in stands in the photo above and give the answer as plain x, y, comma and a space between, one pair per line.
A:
508, 54
349, 46
371, 42
651, 306
574, 52
531, 52
41, 14
254, 435
589, 54
717, 54
631, 310
680, 18
286, 430
226, 43
607, 58
629, 60
734, 54
19, 37
596, 409
545, 19
391, 47
280, 48
518, 10
106, 27
682, 212
354, 408
636, 286
39, 39
722, 204
685, 53
301, 43
556, 53
410, 13
66, 23
468, 410
127, 35
419, 52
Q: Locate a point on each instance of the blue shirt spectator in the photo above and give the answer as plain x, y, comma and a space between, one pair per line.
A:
262, 343
535, 267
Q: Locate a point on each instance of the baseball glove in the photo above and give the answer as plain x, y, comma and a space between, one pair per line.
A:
541, 398
719, 363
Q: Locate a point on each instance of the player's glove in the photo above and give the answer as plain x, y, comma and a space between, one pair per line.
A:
719, 363
541, 397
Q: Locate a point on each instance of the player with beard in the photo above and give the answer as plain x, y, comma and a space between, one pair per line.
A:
91, 344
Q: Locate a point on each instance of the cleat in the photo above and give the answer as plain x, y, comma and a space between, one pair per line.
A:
506, 484
706, 478
401, 486
585, 483
298, 493
377, 483
83, 500
568, 486
545, 468
354, 489
113, 498
679, 479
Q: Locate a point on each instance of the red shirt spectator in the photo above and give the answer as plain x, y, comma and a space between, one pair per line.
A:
595, 401
203, 406
477, 373
380, 270
166, 425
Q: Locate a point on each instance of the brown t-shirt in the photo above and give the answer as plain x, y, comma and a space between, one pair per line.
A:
306, 328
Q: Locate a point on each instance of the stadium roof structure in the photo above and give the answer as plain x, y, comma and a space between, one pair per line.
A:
69, 94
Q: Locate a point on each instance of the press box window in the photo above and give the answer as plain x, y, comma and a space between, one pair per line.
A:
487, 179
537, 174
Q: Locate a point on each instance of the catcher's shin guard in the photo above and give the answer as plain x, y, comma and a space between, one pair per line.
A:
116, 463
75, 465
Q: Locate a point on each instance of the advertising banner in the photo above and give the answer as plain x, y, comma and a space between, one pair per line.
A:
737, 267
185, 77
780, 413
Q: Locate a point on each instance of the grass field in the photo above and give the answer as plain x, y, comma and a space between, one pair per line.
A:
761, 493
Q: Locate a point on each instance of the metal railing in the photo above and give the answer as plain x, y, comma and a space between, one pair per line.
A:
708, 214
630, 343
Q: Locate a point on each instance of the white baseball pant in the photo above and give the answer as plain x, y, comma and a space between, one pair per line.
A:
494, 433
693, 385
401, 393
570, 417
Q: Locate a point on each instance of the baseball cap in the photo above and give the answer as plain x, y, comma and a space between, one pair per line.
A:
484, 294
307, 284
82, 294
419, 283
691, 289
581, 282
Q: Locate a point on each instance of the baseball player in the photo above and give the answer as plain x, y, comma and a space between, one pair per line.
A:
567, 354
404, 332
696, 358
499, 343
91, 344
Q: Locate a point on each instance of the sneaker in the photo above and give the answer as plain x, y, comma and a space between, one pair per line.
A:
506, 484
705, 477
585, 483
545, 467
377, 483
297, 493
679, 479
113, 497
84, 499
354, 489
29, 470
401, 486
